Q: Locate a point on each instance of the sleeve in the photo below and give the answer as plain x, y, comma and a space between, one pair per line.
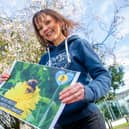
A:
101, 79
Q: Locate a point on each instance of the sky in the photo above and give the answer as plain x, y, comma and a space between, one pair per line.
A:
103, 11
11, 6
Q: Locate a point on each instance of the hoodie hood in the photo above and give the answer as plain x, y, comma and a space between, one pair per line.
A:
69, 40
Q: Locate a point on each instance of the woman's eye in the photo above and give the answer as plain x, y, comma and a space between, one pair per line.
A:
48, 22
40, 28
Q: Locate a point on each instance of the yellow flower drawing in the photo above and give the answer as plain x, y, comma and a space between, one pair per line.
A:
26, 95
63, 78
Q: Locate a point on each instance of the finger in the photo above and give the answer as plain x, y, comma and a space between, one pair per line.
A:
71, 90
3, 79
73, 98
5, 75
67, 92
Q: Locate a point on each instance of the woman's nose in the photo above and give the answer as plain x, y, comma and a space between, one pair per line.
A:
45, 29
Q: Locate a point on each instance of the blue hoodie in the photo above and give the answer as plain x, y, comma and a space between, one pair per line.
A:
76, 54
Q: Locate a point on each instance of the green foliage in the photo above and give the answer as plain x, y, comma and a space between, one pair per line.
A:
117, 76
110, 108
3, 45
122, 126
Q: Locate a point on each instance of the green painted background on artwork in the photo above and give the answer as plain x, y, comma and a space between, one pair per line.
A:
48, 86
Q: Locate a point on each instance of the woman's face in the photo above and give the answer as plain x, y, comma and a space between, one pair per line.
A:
49, 29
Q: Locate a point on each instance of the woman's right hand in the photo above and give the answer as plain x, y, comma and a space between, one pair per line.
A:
4, 77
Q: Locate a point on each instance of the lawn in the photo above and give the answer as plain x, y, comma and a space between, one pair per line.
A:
123, 126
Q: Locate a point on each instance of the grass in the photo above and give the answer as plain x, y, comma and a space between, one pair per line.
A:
122, 126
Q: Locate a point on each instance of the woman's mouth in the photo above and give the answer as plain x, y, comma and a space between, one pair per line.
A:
49, 33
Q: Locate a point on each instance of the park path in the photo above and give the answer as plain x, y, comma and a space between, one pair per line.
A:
125, 128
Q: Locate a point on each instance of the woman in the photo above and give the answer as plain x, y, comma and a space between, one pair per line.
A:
72, 52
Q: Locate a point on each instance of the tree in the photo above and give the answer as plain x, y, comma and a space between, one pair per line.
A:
117, 74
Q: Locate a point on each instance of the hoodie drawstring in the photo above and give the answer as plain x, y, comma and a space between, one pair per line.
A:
49, 57
67, 50
67, 53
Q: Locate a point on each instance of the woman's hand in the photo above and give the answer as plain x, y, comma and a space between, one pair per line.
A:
4, 77
72, 93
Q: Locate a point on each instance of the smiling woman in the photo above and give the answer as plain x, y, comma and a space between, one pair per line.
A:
73, 53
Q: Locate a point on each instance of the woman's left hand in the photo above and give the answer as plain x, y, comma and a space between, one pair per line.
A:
72, 93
